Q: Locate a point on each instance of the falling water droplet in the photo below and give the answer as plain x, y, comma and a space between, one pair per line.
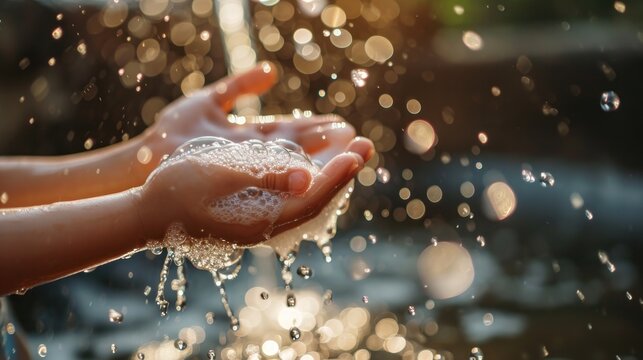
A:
434, 241
140, 356
580, 295
234, 323
372, 238
547, 179
180, 344
365, 299
359, 76
211, 355
114, 348
147, 290
291, 301
209, 318
264, 295
57, 33
295, 333
42, 350
305, 272
115, 316
472, 40
327, 251
604, 259
545, 351
480, 239
411, 310
383, 175
610, 101
476, 354
328, 297
589, 215
528, 176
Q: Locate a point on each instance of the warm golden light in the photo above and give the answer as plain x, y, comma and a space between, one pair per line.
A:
446, 269
499, 201
420, 137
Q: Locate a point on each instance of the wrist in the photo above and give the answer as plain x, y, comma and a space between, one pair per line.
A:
140, 211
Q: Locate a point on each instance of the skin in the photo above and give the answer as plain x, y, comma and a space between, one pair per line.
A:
32, 181
66, 218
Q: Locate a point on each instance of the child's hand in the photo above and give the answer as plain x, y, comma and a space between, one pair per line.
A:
204, 113
182, 191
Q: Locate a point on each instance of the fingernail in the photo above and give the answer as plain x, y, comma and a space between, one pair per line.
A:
298, 181
356, 165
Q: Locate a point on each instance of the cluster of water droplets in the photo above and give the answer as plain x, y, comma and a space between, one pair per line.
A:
222, 257
545, 179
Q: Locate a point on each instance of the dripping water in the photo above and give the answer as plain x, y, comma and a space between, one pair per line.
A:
219, 281
160, 292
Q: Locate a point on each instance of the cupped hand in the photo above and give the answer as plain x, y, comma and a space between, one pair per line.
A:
183, 190
204, 113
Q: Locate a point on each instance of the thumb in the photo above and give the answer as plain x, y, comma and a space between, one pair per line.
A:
295, 181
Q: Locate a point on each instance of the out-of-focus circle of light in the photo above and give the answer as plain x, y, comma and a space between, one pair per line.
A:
333, 16
446, 269
419, 137
472, 40
378, 48
499, 201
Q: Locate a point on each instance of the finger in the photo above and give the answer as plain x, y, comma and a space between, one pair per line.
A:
326, 141
255, 81
362, 146
335, 175
291, 124
334, 135
295, 181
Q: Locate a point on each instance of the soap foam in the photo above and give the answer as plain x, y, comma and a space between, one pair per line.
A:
246, 207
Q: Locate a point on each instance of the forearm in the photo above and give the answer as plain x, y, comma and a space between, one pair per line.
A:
44, 243
29, 181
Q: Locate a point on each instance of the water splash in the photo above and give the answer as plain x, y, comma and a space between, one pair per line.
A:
222, 258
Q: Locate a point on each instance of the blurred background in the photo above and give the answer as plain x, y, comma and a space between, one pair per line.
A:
508, 127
